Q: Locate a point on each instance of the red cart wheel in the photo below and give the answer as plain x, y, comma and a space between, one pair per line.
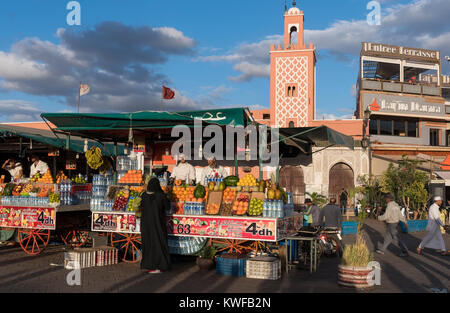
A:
75, 238
231, 245
33, 241
129, 246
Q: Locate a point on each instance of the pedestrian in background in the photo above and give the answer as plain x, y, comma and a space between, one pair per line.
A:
343, 197
392, 217
155, 247
433, 239
332, 214
312, 213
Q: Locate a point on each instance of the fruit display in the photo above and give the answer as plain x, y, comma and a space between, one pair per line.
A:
133, 203
231, 181
189, 195
94, 158
53, 197
256, 207
44, 192
7, 191
226, 209
46, 178
78, 180
132, 177
247, 181
212, 208
17, 190
199, 192
35, 178
121, 201
27, 189
61, 177
241, 204
229, 194
178, 194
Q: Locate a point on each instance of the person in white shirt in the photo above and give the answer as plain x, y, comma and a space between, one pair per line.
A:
212, 170
392, 217
433, 239
14, 168
183, 171
38, 166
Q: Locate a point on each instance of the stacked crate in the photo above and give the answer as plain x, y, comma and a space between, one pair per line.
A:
90, 257
264, 267
231, 264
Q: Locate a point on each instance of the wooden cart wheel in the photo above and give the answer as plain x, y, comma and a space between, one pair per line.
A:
129, 246
258, 246
230, 245
75, 238
33, 241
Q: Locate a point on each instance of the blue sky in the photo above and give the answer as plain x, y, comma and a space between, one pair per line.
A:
213, 53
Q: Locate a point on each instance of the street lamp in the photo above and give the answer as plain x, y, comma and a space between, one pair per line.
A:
365, 140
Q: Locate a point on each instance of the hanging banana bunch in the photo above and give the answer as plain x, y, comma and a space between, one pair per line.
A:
94, 158
105, 166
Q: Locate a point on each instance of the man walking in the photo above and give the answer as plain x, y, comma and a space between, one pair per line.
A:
433, 239
343, 199
332, 214
392, 217
312, 213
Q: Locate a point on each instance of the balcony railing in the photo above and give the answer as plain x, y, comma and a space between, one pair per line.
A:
392, 86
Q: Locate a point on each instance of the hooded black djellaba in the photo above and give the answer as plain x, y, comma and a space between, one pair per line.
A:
155, 248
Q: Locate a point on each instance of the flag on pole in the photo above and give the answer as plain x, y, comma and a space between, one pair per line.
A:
167, 93
84, 89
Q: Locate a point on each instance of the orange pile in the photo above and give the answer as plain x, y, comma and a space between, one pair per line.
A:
228, 195
178, 194
137, 188
178, 207
212, 209
44, 191
132, 177
61, 177
240, 207
47, 178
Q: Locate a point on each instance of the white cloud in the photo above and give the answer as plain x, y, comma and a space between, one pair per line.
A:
419, 23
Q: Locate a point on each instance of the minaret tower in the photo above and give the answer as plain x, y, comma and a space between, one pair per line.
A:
292, 75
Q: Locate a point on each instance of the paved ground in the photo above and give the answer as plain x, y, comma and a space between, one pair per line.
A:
22, 273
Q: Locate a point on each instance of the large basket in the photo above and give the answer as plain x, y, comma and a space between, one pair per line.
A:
264, 267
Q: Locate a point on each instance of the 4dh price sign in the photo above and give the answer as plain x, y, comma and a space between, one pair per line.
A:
244, 228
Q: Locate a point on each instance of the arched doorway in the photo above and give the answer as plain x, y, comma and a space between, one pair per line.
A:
292, 178
341, 176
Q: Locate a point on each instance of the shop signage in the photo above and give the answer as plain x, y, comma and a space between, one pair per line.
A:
139, 145
381, 50
121, 222
402, 105
71, 165
54, 153
27, 217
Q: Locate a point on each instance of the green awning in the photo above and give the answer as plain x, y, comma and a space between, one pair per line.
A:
60, 141
115, 126
306, 137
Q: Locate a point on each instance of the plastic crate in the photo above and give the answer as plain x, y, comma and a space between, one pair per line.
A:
264, 267
234, 266
414, 226
349, 228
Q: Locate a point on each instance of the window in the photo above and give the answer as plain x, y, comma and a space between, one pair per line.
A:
373, 127
291, 124
400, 128
293, 36
386, 127
447, 142
434, 137
413, 129
291, 90
266, 116
394, 127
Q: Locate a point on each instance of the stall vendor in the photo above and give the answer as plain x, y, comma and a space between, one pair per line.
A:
14, 168
212, 170
183, 171
38, 166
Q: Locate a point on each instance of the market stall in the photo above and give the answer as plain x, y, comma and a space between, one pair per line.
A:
33, 209
234, 213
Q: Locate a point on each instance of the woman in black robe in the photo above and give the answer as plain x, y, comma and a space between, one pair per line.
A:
155, 248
